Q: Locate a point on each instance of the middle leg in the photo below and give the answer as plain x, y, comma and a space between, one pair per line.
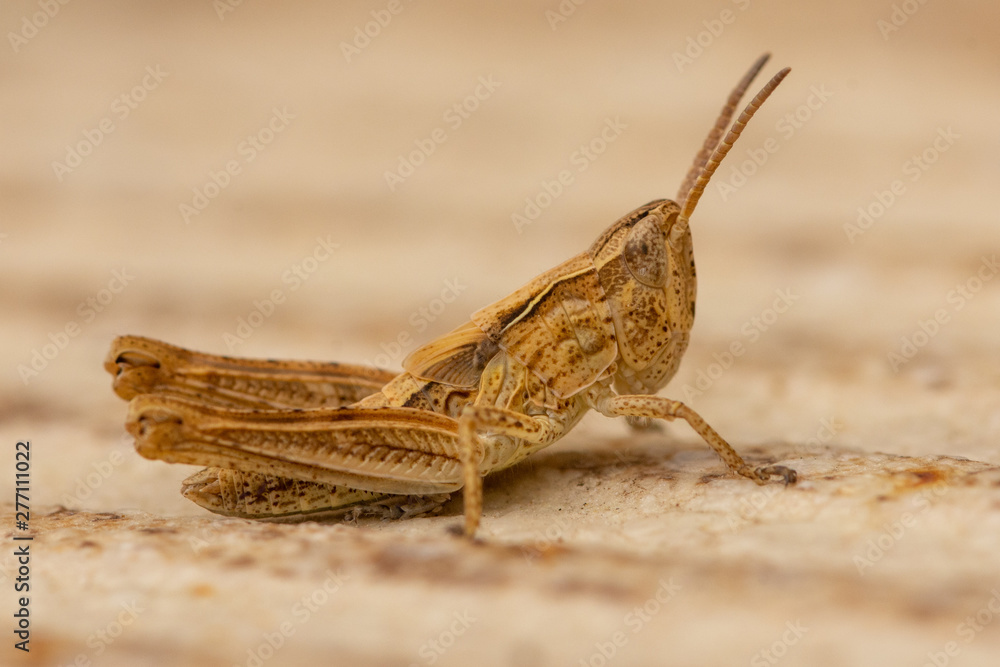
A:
477, 429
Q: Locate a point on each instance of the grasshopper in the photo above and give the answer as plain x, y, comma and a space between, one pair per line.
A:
296, 440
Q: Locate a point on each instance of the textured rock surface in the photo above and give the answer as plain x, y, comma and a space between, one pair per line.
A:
611, 542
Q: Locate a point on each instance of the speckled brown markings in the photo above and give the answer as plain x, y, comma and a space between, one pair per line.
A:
288, 440
252, 495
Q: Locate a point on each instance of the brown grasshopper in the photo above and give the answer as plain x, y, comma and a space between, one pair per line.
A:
294, 440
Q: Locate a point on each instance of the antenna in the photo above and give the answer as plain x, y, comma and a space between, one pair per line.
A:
721, 123
694, 194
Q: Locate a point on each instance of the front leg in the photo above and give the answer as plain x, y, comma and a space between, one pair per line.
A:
657, 407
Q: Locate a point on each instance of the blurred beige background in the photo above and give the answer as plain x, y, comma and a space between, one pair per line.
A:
167, 168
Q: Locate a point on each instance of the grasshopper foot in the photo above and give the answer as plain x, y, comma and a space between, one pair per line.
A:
764, 474
460, 531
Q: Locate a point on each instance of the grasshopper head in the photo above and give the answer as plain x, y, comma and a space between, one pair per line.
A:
645, 261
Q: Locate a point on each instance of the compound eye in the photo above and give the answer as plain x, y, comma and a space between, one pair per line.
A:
646, 253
